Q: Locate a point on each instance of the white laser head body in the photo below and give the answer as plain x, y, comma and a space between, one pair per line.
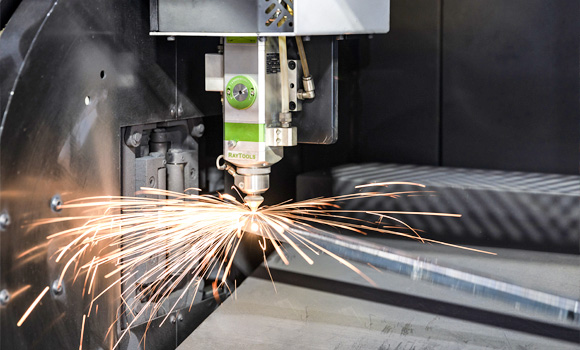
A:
252, 103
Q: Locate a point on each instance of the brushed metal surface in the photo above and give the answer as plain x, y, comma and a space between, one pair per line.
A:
73, 73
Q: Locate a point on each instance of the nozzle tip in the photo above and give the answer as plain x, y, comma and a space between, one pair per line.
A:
253, 202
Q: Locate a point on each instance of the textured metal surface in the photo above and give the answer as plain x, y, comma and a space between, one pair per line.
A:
73, 73
539, 211
325, 305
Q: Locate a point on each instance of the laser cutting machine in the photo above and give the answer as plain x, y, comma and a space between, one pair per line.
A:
295, 99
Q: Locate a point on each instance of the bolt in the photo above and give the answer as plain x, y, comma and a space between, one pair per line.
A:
241, 185
4, 297
180, 318
170, 38
179, 111
56, 203
134, 140
231, 144
278, 131
4, 220
228, 91
192, 173
198, 130
278, 140
306, 38
292, 105
57, 288
340, 37
252, 92
152, 181
172, 111
291, 65
172, 319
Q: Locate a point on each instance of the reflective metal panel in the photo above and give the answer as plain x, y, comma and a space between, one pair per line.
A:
76, 72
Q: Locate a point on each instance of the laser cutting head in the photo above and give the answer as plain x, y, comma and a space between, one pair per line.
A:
257, 122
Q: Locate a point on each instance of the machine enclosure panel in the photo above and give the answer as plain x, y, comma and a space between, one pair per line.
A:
230, 18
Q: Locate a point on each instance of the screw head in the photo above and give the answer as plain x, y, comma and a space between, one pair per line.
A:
180, 318
56, 288
4, 297
152, 181
292, 105
56, 203
292, 65
4, 220
172, 319
241, 185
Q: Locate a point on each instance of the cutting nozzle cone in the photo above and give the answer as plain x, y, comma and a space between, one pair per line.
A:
253, 202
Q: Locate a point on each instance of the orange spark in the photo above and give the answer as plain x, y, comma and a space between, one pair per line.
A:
32, 306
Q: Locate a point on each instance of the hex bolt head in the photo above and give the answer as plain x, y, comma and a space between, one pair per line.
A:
56, 203
4, 220
291, 65
4, 297
56, 288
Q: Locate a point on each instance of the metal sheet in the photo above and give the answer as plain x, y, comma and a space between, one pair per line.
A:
327, 17
325, 305
531, 210
250, 18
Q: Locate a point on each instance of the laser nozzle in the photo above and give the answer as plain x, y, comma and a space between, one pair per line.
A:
253, 201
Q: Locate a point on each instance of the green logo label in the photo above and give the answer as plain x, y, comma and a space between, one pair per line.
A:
232, 155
